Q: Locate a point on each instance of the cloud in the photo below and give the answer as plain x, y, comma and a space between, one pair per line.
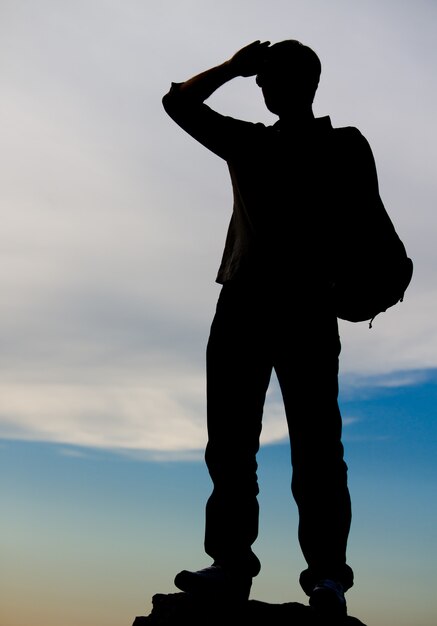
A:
391, 380
131, 417
150, 417
349, 420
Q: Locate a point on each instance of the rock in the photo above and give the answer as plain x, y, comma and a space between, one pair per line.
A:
182, 609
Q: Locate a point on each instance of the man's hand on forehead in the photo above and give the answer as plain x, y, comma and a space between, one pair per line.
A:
249, 60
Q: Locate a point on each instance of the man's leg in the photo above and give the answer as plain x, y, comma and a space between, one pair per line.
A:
309, 386
238, 374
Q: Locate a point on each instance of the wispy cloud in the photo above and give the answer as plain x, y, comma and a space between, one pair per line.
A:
143, 419
366, 386
390, 379
349, 420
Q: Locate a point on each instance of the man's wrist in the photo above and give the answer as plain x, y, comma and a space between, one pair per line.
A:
230, 70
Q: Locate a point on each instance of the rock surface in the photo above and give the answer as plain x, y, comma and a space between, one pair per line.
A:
176, 609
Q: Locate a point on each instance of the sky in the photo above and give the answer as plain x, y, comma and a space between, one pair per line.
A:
113, 224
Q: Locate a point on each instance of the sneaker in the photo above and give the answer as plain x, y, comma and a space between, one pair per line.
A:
214, 581
328, 597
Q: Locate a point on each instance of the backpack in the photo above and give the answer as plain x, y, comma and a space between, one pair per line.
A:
372, 269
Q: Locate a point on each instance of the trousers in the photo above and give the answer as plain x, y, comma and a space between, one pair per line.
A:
257, 329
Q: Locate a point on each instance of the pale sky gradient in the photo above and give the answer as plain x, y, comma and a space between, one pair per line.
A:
113, 224
114, 220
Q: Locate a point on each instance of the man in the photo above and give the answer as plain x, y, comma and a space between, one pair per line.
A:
292, 183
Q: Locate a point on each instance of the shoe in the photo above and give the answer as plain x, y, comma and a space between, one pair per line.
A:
215, 581
327, 597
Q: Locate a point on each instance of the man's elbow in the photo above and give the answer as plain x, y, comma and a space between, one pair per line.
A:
166, 101
171, 98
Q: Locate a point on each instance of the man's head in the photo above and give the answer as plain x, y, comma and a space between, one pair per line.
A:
289, 76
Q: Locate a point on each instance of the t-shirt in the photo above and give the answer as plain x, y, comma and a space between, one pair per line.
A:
293, 189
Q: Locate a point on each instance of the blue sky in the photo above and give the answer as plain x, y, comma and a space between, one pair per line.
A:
113, 222
82, 525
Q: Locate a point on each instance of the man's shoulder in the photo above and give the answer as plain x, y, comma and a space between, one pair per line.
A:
350, 136
347, 131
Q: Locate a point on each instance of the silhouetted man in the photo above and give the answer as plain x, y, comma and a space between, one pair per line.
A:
292, 183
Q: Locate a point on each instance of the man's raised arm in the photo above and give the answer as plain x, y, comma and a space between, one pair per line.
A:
245, 62
184, 103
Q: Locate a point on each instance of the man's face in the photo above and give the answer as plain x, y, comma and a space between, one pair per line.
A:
285, 81
282, 91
